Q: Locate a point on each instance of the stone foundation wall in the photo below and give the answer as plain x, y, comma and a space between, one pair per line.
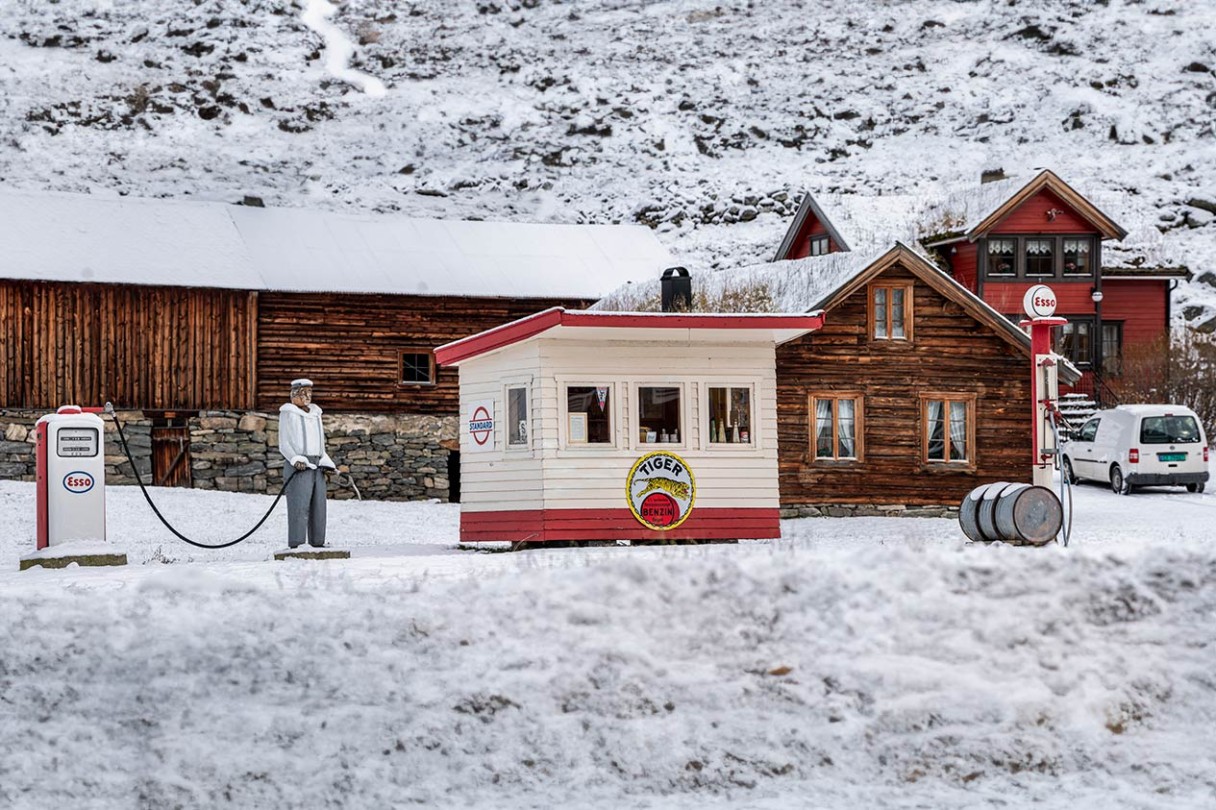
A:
388, 457
865, 510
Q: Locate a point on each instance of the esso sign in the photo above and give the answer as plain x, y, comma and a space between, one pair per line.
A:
1039, 301
78, 482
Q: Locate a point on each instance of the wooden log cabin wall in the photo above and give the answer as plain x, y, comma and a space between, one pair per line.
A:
950, 351
350, 346
151, 348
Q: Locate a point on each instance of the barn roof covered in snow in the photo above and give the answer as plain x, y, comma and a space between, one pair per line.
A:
119, 240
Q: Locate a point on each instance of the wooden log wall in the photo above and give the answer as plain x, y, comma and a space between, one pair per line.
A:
152, 348
349, 346
952, 352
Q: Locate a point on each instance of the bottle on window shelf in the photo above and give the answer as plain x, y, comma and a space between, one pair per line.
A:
734, 434
663, 435
722, 433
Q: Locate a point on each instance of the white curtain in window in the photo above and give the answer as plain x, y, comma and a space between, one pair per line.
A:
846, 430
958, 431
937, 434
823, 428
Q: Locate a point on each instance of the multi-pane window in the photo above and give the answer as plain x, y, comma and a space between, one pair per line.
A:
730, 415
891, 311
589, 414
949, 428
836, 426
1112, 348
1076, 257
659, 413
1001, 257
820, 245
1040, 257
517, 417
416, 367
1074, 340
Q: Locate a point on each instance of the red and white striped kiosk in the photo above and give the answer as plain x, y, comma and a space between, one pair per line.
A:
621, 426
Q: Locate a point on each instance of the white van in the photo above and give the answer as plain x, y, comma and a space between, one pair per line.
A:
1139, 445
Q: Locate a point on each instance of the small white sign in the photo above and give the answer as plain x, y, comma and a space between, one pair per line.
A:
1039, 301
479, 423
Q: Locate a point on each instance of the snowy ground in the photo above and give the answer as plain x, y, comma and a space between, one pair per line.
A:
858, 662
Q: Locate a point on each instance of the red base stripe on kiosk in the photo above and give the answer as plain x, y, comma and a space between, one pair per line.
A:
549, 525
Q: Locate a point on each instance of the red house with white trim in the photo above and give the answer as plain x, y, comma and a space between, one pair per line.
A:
1112, 282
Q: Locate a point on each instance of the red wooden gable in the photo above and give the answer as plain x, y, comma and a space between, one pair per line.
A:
1044, 213
802, 240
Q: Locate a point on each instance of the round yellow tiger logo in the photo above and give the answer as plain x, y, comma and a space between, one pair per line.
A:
660, 490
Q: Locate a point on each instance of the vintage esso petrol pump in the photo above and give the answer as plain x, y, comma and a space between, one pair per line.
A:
1039, 304
71, 490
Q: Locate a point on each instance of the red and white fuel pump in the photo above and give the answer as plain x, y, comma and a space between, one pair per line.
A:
71, 490
1039, 304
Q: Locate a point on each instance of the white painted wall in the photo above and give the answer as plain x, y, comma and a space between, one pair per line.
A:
555, 475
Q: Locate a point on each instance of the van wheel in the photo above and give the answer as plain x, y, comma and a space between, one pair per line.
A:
1118, 484
1194, 487
1069, 475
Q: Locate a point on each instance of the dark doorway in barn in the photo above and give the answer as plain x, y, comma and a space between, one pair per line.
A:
171, 451
453, 476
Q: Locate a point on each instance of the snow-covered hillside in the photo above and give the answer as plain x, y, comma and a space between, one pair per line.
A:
705, 118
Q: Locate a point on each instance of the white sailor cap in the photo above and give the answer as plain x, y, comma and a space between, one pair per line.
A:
303, 382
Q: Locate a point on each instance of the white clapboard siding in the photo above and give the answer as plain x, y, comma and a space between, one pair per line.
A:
556, 475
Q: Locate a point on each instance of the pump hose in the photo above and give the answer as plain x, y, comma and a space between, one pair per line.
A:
139, 479
1065, 483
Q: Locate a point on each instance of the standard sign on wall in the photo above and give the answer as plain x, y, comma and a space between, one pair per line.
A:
479, 422
661, 490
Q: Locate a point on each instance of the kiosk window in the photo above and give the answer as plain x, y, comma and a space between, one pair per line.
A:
517, 417
76, 442
589, 411
658, 414
730, 415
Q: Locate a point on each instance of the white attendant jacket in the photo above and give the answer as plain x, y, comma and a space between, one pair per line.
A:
301, 436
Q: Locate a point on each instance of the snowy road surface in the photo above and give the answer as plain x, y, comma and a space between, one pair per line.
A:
857, 663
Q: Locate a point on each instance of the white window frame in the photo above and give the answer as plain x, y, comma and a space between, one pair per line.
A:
634, 424
614, 387
757, 442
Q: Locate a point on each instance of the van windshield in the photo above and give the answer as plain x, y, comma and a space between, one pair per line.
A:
1169, 430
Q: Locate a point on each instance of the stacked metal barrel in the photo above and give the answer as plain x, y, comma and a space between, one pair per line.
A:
1018, 514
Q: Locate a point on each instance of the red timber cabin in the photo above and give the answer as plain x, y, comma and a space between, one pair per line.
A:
1000, 238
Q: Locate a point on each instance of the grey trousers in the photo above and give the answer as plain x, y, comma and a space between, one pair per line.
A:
306, 507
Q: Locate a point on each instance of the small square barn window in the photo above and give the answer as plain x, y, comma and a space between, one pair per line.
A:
836, 426
417, 367
891, 311
949, 429
1076, 257
820, 246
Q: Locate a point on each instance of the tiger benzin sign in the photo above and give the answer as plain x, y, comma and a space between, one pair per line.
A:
661, 490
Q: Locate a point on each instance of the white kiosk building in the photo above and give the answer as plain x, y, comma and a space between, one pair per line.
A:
621, 426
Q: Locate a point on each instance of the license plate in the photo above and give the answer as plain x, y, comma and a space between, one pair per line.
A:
1171, 456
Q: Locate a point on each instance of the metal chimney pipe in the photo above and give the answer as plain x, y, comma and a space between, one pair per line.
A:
676, 287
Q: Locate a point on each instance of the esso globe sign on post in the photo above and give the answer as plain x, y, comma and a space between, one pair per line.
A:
1039, 301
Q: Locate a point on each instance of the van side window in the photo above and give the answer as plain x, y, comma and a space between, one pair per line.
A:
1089, 430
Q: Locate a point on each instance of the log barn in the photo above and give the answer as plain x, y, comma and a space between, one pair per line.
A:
178, 310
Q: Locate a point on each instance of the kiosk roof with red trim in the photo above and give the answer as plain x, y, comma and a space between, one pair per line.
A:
559, 322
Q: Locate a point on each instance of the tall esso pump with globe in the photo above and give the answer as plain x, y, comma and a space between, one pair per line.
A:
1039, 303
71, 477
